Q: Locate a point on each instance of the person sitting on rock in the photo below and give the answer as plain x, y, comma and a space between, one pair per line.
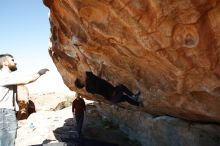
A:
96, 85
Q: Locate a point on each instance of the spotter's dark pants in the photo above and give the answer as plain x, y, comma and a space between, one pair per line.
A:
79, 121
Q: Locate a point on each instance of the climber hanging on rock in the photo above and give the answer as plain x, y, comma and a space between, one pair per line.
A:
96, 85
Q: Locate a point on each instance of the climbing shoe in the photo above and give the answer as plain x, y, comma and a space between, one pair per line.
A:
136, 96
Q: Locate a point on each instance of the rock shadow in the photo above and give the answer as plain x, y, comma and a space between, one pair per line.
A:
68, 135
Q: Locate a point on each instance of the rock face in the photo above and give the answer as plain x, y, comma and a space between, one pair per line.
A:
167, 49
161, 130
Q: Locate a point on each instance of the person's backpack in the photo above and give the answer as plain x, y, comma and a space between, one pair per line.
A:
21, 96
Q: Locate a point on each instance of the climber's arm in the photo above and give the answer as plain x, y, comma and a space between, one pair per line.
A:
101, 69
84, 64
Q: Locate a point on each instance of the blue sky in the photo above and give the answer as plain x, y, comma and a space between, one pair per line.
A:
24, 33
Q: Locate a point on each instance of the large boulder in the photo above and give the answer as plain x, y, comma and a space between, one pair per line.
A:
167, 49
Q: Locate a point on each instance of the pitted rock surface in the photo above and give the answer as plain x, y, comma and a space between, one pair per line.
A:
169, 50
